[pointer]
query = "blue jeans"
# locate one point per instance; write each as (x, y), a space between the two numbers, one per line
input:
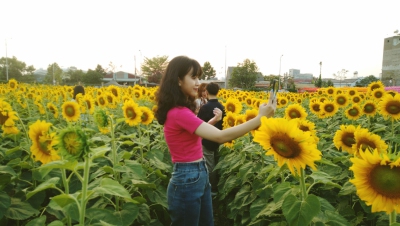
(189, 195)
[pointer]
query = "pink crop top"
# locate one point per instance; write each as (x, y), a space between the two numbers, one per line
(179, 128)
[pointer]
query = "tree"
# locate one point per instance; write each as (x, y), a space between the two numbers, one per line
(16, 69)
(154, 68)
(208, 71)
(244, 75)
(53, 72)
(366, 81)
(94, 76)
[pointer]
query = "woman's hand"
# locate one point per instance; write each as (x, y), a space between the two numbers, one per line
(217, 114)
(269, 108)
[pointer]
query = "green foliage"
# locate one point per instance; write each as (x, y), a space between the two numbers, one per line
(208, 71)
(244, 75)
(366, 81)
(94, 76)
(153, 68)
(17, 70)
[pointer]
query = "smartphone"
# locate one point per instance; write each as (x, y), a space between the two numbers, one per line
(274, 88)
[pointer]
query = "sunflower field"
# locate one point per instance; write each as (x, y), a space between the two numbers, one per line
(325, 158)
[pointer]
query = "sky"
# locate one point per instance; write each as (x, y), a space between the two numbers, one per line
(276, 35)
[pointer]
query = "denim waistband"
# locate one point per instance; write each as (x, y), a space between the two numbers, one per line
(186, 166)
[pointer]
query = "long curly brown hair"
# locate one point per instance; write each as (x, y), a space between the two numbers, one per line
(169, 94)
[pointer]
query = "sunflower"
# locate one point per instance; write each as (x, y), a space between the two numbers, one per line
(354, 112)
(230, 144)
(344, 138)
(341, 100)
(248, 101)
(328, 109)
(369, 108)
(331, 91)
(375, 85)
(137, 94)
(111, 100)
(229, 120)
(53, 109)
(43, 141)
(115, 91)
(352, 92)
(72, 143)
(377, 179)
(356, 99)
(367, 140)
(101, 100)
(240, 119)
(233, 105)
(88, 103)
(308, 126)
(377, 94)
(7, 115)
(282, 102)
(315, 107)
(101, 119)
(389, 107)
(295, 111)
(12, 84)
(147, 116)
(250, 114)
(289, 145)
(71, 111)
(132, 113)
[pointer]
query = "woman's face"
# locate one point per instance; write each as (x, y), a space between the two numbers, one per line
(204, 93)
(189, 84)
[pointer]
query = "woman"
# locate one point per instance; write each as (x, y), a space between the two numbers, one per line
(201, 97)
(189, 193)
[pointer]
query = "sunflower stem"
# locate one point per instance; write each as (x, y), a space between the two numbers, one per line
(66, 190)
(115, 159)
(392, 217)
(85, 183)
(391, 142)
(303, 185)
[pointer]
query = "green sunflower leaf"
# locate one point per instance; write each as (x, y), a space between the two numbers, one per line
(300, 213)
(112, 187)
(50, 183)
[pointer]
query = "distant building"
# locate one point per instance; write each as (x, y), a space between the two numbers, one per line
(350, 82)
(391, 61)
(124, 78)
(296, 75)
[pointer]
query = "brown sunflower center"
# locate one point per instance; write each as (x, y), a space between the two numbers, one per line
(144, 117)
(393, 107)
(304, 128)
(386, 181)
(231, 122)
(376, 86)
(356, 99)
(341, 100)
(130, 113)
(352, 92)
(329, 108)
(353, 112)
(285, 146)
(348, 139)
(43, 146)
(365, 143)
(102, 101)
(70, 111)
(283, 102)
(3, 118)
(369, 108)
(89, 105)
(294, 113)
(231, 107)
(378, 94)
(315, 107)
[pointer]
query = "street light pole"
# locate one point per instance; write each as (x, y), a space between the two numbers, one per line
(6, 61)
(279, 77)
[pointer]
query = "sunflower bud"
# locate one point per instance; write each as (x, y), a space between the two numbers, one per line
(72, 143)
